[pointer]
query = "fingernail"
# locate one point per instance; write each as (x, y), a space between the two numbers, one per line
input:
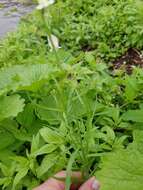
(95, 185)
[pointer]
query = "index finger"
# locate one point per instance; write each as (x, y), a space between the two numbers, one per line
(58, 181)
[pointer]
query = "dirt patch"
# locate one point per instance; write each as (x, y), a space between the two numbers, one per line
(132, 57)
(86, 48)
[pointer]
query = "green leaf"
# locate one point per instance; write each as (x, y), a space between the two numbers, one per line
(90, 59)
(138, 140)
(69, 170)
(80, 106)
(131, 88)
(26, 117)
(11, 126)
(21, 160)
(113, 112)
(49, 110)
(48, 162)
(45, 149)
(4, 169)
(5, 156)
(51, 136)
(6, 139)
(24, 76)
(35, 143)
(5, 182)
(133, 115)
(10, 106)
(21, 174)
(109, 136)
(122, 170)
(7, 169)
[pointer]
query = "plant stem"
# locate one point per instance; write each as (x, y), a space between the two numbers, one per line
(49, 37)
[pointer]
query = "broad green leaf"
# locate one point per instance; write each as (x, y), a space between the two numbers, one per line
(138, 140)
(49, 110)
(6, 139)
(109, 135)
(45, 149)
(4, 169)
(79, 107)
(12, 127)
(24, 76)
(8, 169)
(133, 115)
(48, 162)
(26, 117)
(131, 88)
(51, 136)
(21, 160)
(21, 174)
(122, 169)
(10, 106)
(5, 156)
(113, 112)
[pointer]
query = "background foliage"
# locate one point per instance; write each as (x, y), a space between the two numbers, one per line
(72, 111)
(106, 27)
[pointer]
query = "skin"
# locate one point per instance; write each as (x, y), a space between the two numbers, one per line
(55, 184)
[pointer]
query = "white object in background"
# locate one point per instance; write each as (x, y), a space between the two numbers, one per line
(53, 41)
(44, 3)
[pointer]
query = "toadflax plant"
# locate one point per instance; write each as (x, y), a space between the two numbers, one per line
(77, 117)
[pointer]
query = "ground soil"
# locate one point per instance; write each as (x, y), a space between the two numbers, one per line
(132, 57)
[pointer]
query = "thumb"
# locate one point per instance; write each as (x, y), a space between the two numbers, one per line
(55, 184)
(51, 184)
(91, 184)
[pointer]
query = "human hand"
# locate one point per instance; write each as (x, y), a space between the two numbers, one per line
(55, 184)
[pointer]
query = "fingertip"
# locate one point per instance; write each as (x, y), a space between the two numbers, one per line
(95, 185)
(91, 184)
(51, 184)
(57, 182)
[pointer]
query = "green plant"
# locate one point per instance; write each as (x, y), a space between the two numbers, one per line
(65, 109)
(79, 107)
(106, 27)
(128, 164)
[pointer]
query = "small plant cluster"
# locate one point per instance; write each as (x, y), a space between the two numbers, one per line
(60, 108)
(108, 27)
